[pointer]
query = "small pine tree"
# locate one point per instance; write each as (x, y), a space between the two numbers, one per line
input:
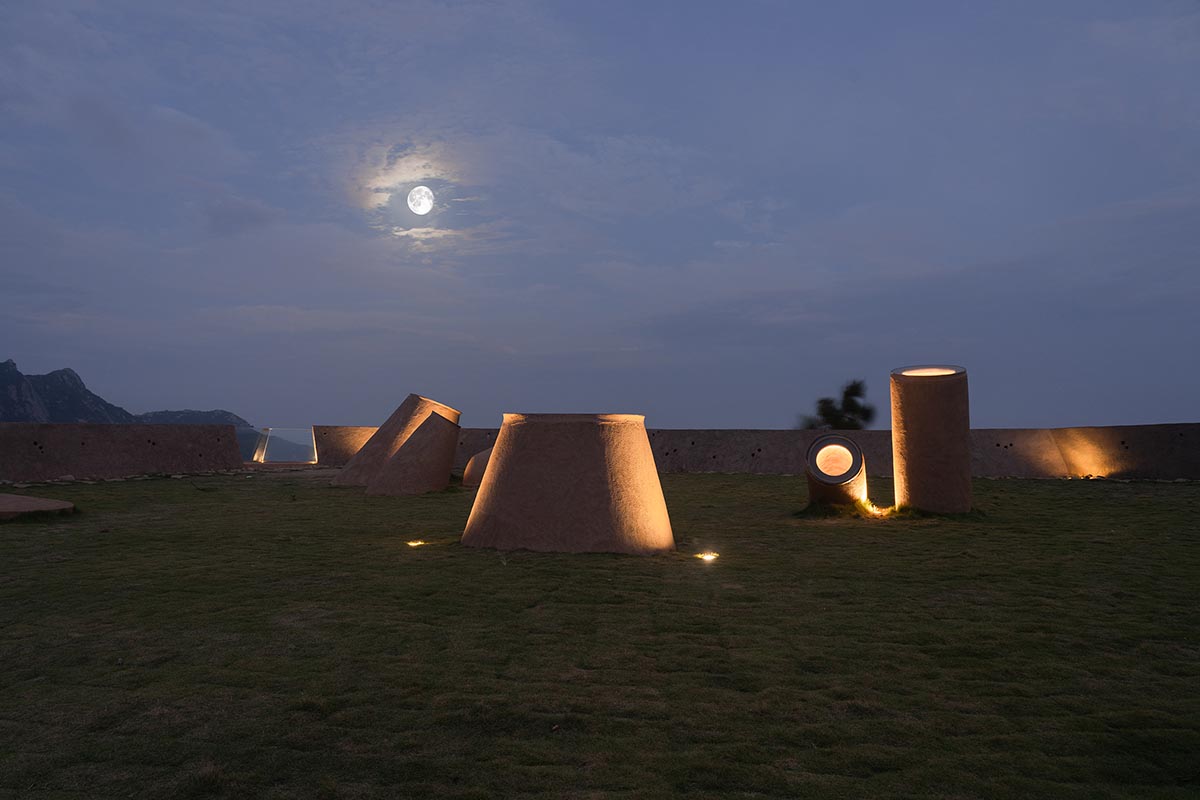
(851, 414)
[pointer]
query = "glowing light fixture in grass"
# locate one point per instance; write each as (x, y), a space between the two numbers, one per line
(708, 555)
(416, 543)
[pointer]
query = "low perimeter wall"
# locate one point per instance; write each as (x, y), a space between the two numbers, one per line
(337, 444)
(33, 452)
(38, 452)
(1125, 451)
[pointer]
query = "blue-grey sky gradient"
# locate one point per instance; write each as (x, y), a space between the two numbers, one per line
(708, 212)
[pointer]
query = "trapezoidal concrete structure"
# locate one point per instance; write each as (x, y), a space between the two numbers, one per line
(836, 472)
(571, 483)
(337, 444)
(931, 438)
(379, 449)
(14, 506)
(423, 462)
(476, 467)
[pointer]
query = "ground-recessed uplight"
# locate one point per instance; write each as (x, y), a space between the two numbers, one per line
(708, 555)
(415, 543)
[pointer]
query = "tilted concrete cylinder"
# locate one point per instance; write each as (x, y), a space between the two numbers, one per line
(571, 483)
(379, 449)
(423, 462)
(931, 438)
(476, 467)
(836, 471)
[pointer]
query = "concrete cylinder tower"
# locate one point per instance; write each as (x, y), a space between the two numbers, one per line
(931, 438)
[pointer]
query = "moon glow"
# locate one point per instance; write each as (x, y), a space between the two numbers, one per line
(420, 200)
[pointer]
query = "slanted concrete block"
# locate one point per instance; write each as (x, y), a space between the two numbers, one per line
(423, 462)
(14, 506)
(378, 450)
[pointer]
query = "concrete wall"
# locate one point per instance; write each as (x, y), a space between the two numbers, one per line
(1127, 451)
(45, 451)
(337, 444)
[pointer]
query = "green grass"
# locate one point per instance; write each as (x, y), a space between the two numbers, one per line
(274, 637)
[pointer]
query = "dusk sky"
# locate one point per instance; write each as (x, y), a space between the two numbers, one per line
(709, 213)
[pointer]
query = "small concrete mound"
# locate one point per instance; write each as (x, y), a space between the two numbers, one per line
(476, 467)
(571, 483)
(15, 506)
(379, 449)
(423, 462)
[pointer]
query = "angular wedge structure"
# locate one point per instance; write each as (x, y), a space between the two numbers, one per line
(379, 449)
(571, 483)
(931, 438)
(423, 462)
(476, 467)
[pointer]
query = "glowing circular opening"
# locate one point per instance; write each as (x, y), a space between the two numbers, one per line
(834, 460)
(926, 372)
(708, 556)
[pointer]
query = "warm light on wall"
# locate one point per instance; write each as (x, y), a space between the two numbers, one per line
(708, 555)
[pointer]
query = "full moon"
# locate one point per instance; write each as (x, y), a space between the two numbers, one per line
(420, 200)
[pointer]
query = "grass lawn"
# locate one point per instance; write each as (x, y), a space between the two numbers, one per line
(275, 637)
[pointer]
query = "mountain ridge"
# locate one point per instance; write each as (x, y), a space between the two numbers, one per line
(62, 396)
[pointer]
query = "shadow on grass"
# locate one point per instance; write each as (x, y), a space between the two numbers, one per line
(867, 510)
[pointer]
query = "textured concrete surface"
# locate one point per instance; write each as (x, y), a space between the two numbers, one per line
(931, 439)
(13, 506)
(337, 444)
(47, 451)
(1131, 451)
(472, 441)
(476, 467)
(845, 485)
(1168, 451)
(423, 462)
(571, 483)
(378, 450)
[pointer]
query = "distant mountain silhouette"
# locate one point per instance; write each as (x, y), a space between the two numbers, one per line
(61, 396)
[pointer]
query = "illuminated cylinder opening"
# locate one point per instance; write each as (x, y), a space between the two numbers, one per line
(931, 438)
(836, 471)
(571, 483)
(392, 434)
